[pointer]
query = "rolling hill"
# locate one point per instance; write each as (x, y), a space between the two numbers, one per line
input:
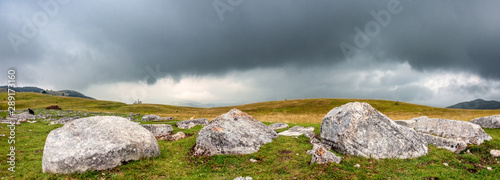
(291, 111)
(69, 93)
(477, 104)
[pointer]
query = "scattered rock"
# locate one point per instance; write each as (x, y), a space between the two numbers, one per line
(159, 130)
(131, 118)
(232, 133)
(357, 165)
(277, 126)
(167, 118)
(296, 131)
(243, 178)
(12, 121)
(23, 116)
(495, 153)
(31, 121)
(63, 120)
(488, 122)
(54, 107)
(359, 129)
(150, 117)
(96, 143)
(253, 160)
(489, 168)
(452, 145)
(173, 137)
(452, 129)
(188, 124)
(446, 164)
(321, 155)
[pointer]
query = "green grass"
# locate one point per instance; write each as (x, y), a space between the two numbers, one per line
(284, 158)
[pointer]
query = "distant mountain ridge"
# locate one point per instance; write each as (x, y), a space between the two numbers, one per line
(67, 93)
(477, 104)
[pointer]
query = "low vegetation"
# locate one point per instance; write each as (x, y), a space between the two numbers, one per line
(284, 158)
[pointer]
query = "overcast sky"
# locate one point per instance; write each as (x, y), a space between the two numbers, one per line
(220, 52)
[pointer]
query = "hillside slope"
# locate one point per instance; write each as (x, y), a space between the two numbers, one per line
(301, 110)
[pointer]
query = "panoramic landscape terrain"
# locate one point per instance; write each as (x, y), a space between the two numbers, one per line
(250, 89)
(284, 158)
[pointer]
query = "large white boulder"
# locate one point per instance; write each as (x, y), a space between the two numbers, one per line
(96, 143)
(232, 133)
(359, 129)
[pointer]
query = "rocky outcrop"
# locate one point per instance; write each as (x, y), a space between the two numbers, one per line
(232, 133)
(296, 131)
(277, 126)
(321, 155)
(159, 130)
(492, 122)
(359, 129)
(188, 124)
(96, 143)
(452, 145)
(452, 129)
(151, 117)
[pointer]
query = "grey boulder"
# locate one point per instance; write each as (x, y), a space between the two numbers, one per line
(150, 117)
(232, 133)
(468, 132)
(359, 129)
(321, 155)
(23, 116)
(277, 126)
(449, 144)
(96, 143)
(159, 130)
(188, 124)
(492, 122)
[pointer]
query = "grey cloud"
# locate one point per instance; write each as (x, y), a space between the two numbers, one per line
(93, 42)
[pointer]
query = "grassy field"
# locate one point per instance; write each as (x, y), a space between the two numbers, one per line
(284, 158)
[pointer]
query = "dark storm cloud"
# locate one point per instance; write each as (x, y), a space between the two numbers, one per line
(125, 39)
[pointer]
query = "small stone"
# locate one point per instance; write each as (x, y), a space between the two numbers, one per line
(297, 154)
(253, 160)
(495, 153)
(357, 165)
(243, 178)
(489, 168)
(2, 135)
(445, 164)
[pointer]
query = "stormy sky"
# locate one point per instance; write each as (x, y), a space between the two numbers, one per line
(222, 52)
